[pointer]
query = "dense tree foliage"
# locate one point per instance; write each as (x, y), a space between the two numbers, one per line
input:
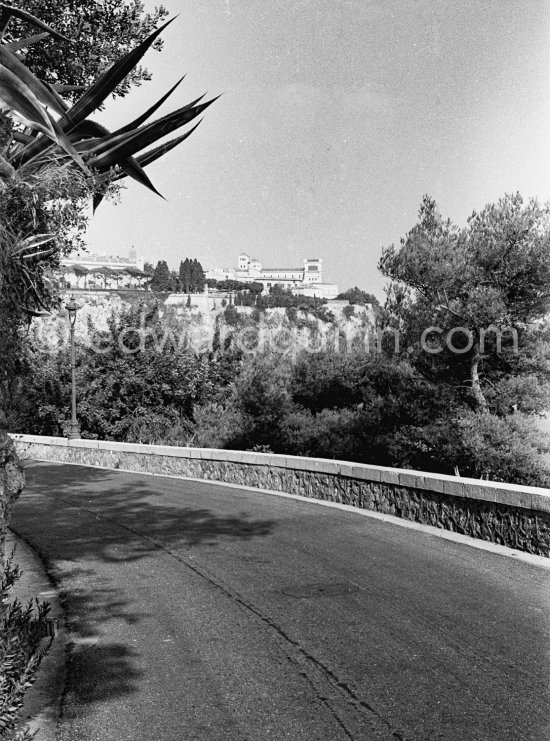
(162, 280)
(358, 296)
(389, 404)
(235, 285)
(191, 276)
(135, 383)
(476, 293)
(99, 33)
(361, 406)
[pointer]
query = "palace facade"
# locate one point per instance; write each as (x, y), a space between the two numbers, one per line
(306, 280)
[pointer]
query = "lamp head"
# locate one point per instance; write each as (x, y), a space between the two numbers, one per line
(72, 309)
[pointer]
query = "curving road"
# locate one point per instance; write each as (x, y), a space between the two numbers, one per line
(205, 612)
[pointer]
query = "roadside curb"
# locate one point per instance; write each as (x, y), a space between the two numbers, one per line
(42, 700)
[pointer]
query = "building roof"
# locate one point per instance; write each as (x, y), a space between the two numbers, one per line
(98, 258)
(282, 270)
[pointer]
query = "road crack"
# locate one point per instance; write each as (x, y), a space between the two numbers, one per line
(348, 700)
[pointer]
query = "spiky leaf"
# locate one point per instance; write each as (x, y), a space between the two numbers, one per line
(141, 119)
(135, 141)
(21, 99)
(14, 46)
(153, 154)
(109, 80)
(7, 12)
(10, 61)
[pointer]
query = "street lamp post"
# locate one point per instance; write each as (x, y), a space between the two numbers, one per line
(74, 429)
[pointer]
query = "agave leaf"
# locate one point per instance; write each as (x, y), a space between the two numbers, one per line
(41, 147)
(14, 46)
(141, 119)
(41, 254)
(38, 146)
(37, 240)
(153, 154)
(10, 61)
(117, 138)
(67, 88)
(34, 312)
(132, 168)
(109, 80)
(4, 20)
(67, 146)
(129, 167)
(85, 146)
(98, 197)
(109, 140)
(56, 95)
(18, 136)
(21, 99)
(134, 141)
(7, 12)
(88, 135)
(89, 129)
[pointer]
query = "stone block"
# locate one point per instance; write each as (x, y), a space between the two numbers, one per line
(453, 486)
(362, 472)
(541, 502)
(517, 498)
(411, 480)
(389, 476)
(433, 483)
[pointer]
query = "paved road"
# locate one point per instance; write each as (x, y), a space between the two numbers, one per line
(206, 612)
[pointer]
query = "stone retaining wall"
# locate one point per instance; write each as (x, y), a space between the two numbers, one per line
(515, 516)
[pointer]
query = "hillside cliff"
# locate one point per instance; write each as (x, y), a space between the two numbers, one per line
(209, 321)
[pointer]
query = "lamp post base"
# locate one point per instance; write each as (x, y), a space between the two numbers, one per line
(74, 432)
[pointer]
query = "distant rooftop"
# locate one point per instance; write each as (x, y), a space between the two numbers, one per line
(282, 270)
(99, 258)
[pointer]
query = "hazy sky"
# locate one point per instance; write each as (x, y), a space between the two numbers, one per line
(337, 116)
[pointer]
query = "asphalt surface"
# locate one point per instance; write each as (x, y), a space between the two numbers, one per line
(197, 611)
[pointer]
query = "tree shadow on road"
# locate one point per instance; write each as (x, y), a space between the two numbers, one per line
(99, 673)
(89, 524)
(116, 517)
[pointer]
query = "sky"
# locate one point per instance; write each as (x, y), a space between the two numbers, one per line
(336, 117)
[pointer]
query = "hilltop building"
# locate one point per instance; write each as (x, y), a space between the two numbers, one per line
(88, 268)
(305, 281)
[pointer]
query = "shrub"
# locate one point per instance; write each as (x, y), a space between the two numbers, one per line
(503, 449)
(23, 631)
(291, 313)
(231, 315)
(331, 433)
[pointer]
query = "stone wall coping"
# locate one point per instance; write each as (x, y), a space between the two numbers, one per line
(526, 497)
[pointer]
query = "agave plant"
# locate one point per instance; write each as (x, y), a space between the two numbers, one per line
(38, 127)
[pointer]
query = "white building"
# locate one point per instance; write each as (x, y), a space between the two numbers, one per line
(79, 270)
(305, 281)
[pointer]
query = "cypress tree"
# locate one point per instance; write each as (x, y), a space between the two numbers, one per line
(162, 280)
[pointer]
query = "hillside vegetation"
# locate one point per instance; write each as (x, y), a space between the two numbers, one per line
(278, 380)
